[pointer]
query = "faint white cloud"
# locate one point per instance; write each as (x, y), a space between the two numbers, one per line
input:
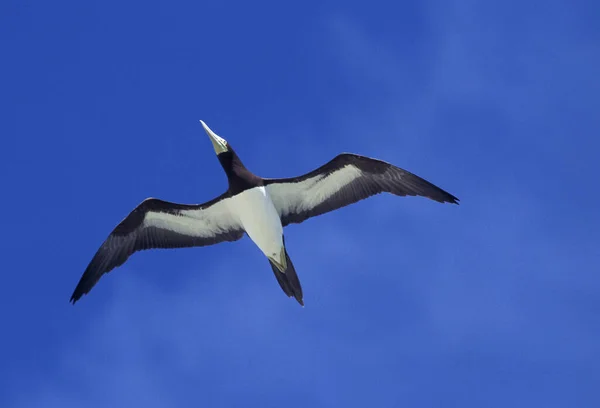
(391, 284)
(159, 348)
(486, 275)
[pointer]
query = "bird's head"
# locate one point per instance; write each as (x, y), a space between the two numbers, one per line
(219, 144)
(225, 153)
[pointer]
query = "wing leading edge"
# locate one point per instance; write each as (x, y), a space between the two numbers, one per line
(156, 223)
(344, 180)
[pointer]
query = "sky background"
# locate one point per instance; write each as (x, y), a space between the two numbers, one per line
(493, 303)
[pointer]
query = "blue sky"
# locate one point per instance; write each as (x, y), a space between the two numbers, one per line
(492, 303)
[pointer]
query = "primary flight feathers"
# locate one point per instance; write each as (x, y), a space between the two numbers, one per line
(346, 179)
(259, 207)
(160, 224)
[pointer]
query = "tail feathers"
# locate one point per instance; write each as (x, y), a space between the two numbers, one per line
(289, 281)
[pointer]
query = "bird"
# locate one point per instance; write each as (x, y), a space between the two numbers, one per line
(254, 206)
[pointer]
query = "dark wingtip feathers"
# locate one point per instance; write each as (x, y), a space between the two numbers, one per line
(448, 198)
(451, 199)
(416, 185)
(77, 294)
(79, 291)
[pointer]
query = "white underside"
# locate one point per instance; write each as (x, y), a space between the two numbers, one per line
(260, 220)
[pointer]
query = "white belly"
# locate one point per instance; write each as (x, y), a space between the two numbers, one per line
(260, 219)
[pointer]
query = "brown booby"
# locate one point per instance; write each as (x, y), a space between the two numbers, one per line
(259, 207)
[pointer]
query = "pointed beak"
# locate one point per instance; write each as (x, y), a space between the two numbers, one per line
(219, 144)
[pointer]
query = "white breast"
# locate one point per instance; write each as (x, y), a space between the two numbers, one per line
(259, 218)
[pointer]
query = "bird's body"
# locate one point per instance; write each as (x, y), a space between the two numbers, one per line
(256, 206)
(260, 220)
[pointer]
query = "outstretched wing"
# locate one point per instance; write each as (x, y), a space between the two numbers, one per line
(160, 224)
(346, 179)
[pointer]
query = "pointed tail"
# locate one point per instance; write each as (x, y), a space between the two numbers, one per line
(289, 281)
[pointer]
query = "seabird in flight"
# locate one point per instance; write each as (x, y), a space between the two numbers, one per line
(259, 207)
